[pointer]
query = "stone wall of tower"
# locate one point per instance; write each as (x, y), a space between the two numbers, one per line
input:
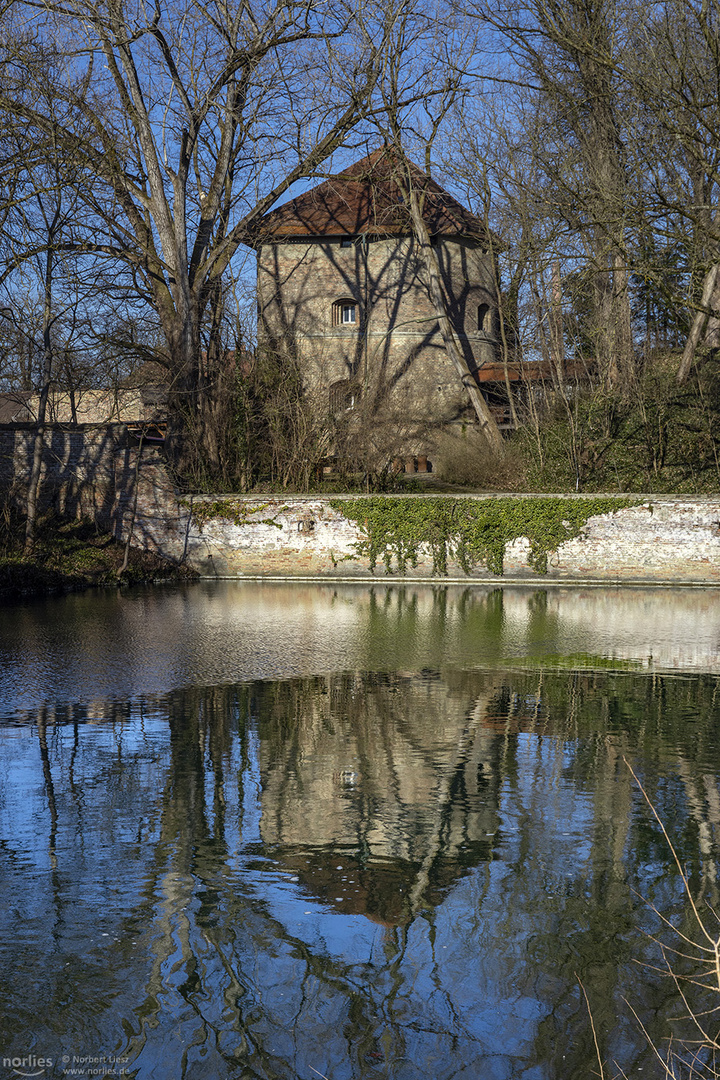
(393, 351)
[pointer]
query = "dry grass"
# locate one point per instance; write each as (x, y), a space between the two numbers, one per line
(467, 460)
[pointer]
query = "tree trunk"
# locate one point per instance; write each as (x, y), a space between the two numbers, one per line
(36, 469)
(199, 389)
(486, 423)
(622, 323)
(699, 324)
(133, 515)
(181, 444)
(216, 398)
(39, 442)
(557, 335)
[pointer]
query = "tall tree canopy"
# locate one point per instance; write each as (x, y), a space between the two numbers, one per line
(187, 122)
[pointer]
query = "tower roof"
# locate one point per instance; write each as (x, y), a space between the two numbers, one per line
(367, 198)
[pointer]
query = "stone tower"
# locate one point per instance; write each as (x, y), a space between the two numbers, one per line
(342, 287)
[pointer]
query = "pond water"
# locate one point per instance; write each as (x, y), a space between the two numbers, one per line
(288, 832)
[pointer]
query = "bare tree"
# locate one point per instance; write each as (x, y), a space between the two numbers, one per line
(441, 82)
(629, 118)
(38, 238)
(51, 286)
(566, 53)
(675, 76)
(191, 121)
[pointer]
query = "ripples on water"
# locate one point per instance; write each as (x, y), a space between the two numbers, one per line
(281, 831)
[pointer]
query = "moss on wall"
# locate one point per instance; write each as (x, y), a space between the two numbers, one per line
(234, 510)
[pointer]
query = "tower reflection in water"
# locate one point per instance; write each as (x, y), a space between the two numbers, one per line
(381, 834)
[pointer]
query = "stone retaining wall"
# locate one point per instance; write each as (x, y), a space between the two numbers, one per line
(92, 470)
(667, 539)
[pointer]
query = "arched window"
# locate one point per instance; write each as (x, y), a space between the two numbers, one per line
(344, 395)
(484, 318)
(345, 313)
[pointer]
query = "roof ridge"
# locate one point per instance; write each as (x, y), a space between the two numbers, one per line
(364, 198)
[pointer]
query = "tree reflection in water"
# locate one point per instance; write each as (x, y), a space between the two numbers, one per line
(360, 874)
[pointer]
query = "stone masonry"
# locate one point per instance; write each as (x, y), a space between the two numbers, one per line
(391, 355)
(343, 288)
(102, 472)
(665, 539)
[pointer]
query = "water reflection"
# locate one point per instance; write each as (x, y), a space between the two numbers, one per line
(396, 869)
(384, 794)
(90, 648)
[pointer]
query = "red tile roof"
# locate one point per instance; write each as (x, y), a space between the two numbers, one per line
(367, 198)
(534, 371)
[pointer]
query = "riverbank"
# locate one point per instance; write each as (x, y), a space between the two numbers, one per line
(532, 540)
(71, 556)
(106, 475)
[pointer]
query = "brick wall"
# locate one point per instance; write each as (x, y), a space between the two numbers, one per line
(88, 471)
(78, 467)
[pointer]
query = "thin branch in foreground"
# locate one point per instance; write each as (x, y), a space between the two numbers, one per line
(713, 943)
(592, 1026)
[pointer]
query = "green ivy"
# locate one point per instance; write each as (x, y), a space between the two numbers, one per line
(470, 531)
(239, 513)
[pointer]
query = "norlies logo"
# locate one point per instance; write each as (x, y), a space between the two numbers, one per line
(27, 1066)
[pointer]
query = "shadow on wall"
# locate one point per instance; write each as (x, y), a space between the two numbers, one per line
(145, 505)
(89, 471)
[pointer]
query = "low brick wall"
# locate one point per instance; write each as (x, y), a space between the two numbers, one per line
(665, 539)
(100, 470)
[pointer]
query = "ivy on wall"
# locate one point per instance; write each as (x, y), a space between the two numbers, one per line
(470, 531)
